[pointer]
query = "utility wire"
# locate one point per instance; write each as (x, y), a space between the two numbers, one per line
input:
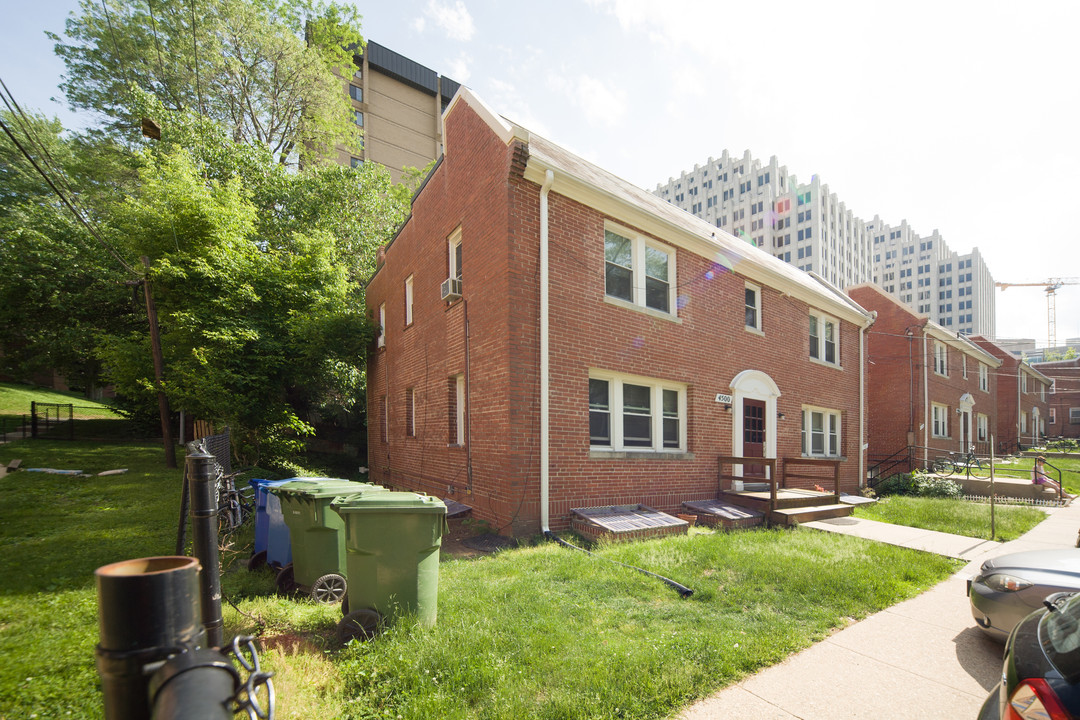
(63, 198)
(27, 129)
(195, 48)
(157, 41)
(116, 47)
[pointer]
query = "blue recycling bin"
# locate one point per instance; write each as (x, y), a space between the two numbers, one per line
(267, 506)
(273, 546)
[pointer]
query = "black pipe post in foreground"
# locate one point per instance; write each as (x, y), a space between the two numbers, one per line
(204, 532)
(148, 609)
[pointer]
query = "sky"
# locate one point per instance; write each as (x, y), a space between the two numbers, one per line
(958, 116)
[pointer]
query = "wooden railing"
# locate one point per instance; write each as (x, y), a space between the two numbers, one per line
(735, 460)
(792, 465)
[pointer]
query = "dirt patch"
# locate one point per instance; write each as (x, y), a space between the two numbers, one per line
(467, 538)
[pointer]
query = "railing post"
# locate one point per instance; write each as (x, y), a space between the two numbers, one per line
(204, 527)
(33, 418)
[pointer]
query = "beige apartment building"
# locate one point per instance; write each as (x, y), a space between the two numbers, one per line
(398, 102)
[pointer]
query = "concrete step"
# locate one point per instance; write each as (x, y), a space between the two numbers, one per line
(790, 516)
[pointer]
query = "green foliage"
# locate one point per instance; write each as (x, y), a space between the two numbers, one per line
(919, 484)
(262, 69)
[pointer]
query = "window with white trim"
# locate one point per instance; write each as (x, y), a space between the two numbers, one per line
(1074, 416)
(1023, 422)
(824, 339)
(454, 253)
(408, 300)
(984, 377)
(820, 432)
(1023, 382)
(963, 361)
(941, 359)
(639, 271)
(983, 424)
(635, 413)
(940, 414)
(456, 415)
(753, 307)
(1042, 392)
(1053, 416)
(381, 341)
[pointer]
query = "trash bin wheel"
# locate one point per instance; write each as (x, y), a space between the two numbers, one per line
(257, 560)
(329, 589)
(360, 625)
(286, 582)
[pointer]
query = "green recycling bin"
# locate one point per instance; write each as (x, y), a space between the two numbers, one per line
(317, 537)
(392, 542)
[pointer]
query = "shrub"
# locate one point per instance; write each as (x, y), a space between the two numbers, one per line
(919, 484)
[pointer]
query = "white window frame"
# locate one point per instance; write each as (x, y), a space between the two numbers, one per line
(1074, 416)
(818, 344)
(963, 365)
(983, 427)
(830, 432)
(941, 359)
(408, 301)
(756, 326)
(984, 377)
(452, 244)
(1023, 382)
(615, 411)
(639, 245)
(381, 341)
(940, 418)
(1053, 416)
(1023, 422)
(459, 410)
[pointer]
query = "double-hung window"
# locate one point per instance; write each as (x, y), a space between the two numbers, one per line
(454, 253)
(634, 413)
(1023, 422)
(820, 432)
(408, 300)
(1023, 382)
(984, 377)
(381, 342)
(638, 271)
(941, 420)
(983, 425)
(941, 359)
(753, 307)
(824, 339)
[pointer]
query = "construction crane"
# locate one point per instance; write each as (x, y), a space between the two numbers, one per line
(1051, 286)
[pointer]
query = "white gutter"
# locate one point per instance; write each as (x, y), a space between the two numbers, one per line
(545, 353)
(862, 406)
(926, 399)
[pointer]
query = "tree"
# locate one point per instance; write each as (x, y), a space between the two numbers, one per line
(267, 70)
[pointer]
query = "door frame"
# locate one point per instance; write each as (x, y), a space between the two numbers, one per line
(753, 385)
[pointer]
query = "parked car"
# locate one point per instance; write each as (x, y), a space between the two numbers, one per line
(1040, 677)
(1010, 587)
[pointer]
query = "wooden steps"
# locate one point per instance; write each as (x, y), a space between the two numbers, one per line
(792, 516)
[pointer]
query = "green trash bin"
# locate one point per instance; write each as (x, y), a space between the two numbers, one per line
(317, 536)
(392, 542)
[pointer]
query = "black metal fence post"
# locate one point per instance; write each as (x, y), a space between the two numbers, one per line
(33, 418)
(204, 532)
(148, 609)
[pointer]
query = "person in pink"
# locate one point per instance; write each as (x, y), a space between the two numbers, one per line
(1039, 477)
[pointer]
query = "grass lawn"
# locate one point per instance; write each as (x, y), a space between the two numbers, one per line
(537, 632)
(1021, 468)
(953, 516)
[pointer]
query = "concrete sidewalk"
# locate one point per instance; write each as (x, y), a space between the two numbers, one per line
(922, 658)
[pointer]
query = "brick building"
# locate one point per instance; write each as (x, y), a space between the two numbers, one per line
(1022, 399)
(555, 338)
(1063, 403)
(930, 391)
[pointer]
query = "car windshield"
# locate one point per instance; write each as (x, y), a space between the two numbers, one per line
(1060, 634)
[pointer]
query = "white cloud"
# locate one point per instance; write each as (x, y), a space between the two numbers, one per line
(419, 24)
(602, 105)
(453, 18)
(458, 68)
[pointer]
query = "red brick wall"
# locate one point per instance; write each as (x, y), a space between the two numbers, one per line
(901, 379)
(1008, 427)
(1066, 376)
(477, 186)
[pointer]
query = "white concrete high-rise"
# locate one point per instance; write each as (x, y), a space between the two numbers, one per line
(806, 225)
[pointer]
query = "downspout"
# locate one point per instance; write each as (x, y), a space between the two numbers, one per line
(1019, 405)
(862, 406)
(926, 400)
(545, 351)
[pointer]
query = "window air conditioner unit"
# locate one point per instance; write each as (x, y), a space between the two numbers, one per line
(451, 289)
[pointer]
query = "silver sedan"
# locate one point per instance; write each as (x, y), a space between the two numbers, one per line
(1010, 587)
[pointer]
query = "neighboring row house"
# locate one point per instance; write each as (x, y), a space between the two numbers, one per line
(557, 338)
(1022, 393)
(1063, 404)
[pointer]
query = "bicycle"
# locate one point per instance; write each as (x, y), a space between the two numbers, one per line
(961, 464)
(234, 506)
